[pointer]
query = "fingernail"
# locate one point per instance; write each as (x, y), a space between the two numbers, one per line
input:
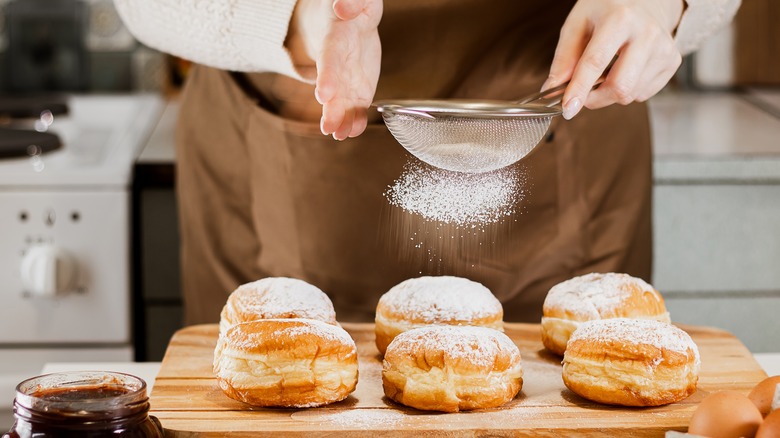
(546, 83)
(571, 108)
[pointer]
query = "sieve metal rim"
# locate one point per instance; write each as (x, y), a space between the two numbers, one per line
(464, 108)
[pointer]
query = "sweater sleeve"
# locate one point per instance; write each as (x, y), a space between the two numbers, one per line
(701, 19)
(239, 35)
(249, 35)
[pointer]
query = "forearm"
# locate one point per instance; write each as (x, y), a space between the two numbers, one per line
(242, 35)
(702, 18)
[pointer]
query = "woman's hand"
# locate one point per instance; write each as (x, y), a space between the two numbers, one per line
(341, 37)
(638, 33)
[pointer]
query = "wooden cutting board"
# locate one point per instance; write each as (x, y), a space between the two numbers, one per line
(188, 402)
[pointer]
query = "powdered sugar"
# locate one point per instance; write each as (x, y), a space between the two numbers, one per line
(317, 328)
(442, 299)
(279, 297)
(359, 418)
(593, 295)
(637, 331)
(454, 197)
(477, 345)
(246, 336)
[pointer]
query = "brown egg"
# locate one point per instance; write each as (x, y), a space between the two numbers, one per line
(770, 428)
(763, 394)
(725, 414)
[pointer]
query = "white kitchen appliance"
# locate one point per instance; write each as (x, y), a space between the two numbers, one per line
(65, 239)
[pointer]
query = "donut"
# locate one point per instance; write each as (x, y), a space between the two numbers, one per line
(276, 297)
(286, 363)
(422, 301)
(452, 368)
(631, 362)
(596, 296)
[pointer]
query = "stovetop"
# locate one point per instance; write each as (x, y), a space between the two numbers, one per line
(100, 135)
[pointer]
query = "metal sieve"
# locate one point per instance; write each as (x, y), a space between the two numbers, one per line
(471, 136)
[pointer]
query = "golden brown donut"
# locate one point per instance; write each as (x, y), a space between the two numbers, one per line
(596, 296)
(422, 301)
(631, 362)
(286, 363)
(276, 297)
(452, 368)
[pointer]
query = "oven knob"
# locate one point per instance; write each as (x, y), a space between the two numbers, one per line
(48, 270)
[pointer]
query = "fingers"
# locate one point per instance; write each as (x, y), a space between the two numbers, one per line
(332, 116)
(329, 69)
(345, 128)
(652, 84)
(325, 89)
(571, 44)
(637, 76)
(348, 67)
(623, 78)
(341, 122)
(348, 9)
(360, 123)
(635, 31)
(602, 47)
(328, 88)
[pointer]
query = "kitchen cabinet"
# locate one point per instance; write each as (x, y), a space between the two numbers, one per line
(717, 211)
(157, 306)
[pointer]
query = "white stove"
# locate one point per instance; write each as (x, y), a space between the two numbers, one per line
(65, 239)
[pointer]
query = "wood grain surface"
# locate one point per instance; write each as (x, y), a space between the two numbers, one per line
(188, 402)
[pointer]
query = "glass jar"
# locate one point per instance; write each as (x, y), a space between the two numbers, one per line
(83, 404)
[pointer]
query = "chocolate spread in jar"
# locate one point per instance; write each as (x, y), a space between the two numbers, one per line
(83, 404)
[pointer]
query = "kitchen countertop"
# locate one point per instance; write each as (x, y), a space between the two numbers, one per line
(697, 136)
(161, 146)
(768, 99)
(716, 137)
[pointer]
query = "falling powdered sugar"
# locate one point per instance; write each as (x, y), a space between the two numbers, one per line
(455, 197)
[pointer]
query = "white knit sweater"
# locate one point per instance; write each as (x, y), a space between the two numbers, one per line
(249, 35)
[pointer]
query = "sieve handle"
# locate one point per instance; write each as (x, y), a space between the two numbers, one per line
(549, 97)
(553, 96)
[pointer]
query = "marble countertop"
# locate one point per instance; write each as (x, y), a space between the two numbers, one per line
(715, 125)
(768, 99)
(716, 137)
(161, 146)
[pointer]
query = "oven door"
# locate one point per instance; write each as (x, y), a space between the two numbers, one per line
(64, 281)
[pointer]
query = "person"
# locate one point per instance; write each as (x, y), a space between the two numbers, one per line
(261, 192)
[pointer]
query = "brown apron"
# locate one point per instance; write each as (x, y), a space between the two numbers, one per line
(263, 193)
